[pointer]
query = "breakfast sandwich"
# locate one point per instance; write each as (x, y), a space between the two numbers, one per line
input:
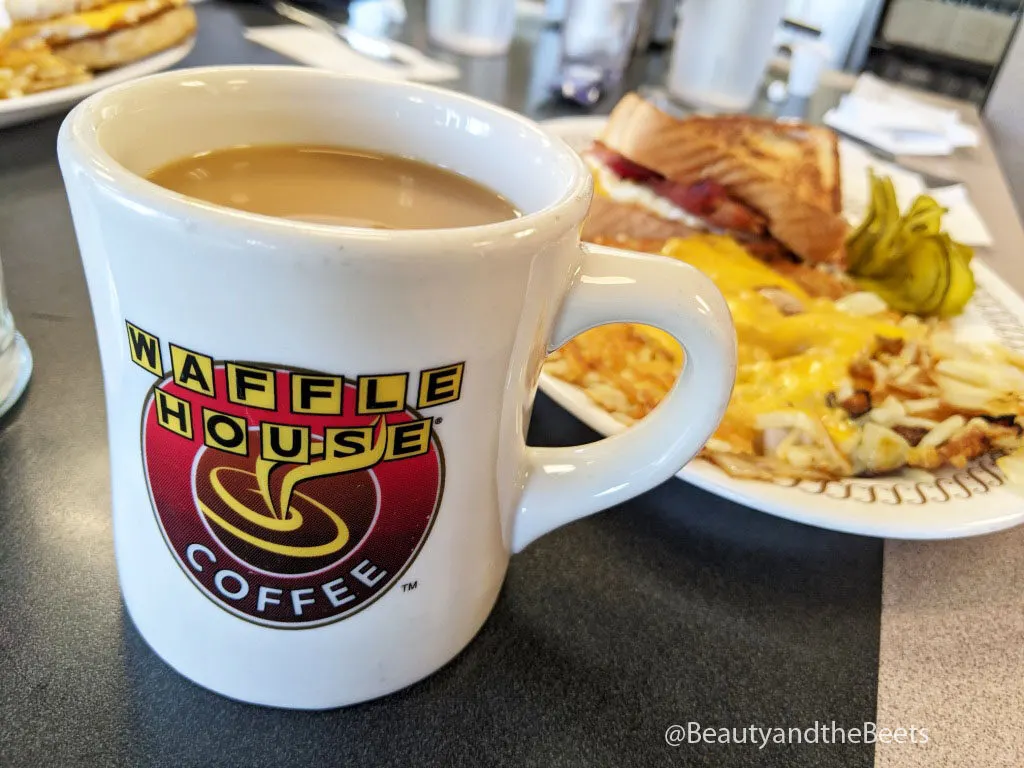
(97, 34)
(772, 186)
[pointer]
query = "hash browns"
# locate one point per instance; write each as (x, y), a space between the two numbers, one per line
(30, 70)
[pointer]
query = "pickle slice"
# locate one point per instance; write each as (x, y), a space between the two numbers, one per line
(923, 218)
(965, 251)
(961, 284)
(883, 254)
(924, 275)
(924, 204)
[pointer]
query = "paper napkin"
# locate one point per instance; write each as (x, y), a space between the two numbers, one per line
(318, 49)
(897, 123)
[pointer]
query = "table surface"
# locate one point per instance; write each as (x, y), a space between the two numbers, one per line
(676, 607)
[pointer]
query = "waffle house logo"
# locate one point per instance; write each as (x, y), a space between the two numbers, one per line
(291, 498)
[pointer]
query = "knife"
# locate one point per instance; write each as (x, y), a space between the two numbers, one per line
(373, 47)
(931, 180)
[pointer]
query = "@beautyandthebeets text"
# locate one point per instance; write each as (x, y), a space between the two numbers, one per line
(762, 737)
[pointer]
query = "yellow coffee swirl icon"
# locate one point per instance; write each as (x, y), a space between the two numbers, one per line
(261, 502)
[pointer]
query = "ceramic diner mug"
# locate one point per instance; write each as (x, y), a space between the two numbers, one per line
(317, 434)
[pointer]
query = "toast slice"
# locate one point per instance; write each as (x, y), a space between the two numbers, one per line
(786, 172)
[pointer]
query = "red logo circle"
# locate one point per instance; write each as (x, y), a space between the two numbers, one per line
(285, 518)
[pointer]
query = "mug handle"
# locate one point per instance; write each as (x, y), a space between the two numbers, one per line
(565, 484)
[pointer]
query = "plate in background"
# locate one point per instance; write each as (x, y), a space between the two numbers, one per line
(24, 109)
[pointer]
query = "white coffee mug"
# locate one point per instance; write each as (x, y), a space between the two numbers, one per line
(317, 434)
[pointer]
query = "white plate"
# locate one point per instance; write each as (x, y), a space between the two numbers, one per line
(916, 505)
(34, 106)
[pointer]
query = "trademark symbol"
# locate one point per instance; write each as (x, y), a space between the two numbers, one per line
(409, 586)
(438, 420)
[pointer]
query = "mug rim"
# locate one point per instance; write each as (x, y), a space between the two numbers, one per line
(78, 135)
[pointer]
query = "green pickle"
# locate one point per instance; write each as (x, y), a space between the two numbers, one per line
(908, 260)
(883, 253)
(961, 285)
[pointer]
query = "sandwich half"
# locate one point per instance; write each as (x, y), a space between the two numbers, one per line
(98, 34)
(772, 186)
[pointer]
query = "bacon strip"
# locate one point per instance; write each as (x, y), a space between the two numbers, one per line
(705, 198)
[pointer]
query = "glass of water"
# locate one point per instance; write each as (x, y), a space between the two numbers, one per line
(597, 40)
(722, 49)
(472, 27)
(15, 359)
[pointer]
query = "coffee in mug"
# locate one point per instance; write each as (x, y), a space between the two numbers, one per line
(334, 185)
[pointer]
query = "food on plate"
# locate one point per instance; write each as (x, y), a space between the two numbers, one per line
(1012, 465)
(90, 35)
(772, 186)
(847, 365)
(826, 387)
(907, 259)
(29, 70)
(99, 34)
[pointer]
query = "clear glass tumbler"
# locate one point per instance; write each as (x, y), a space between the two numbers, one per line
(472, 27)
(597, 40)
(6, 323)
(721, 51)
(15, 360)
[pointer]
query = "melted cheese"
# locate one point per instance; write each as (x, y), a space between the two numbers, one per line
(786, 362)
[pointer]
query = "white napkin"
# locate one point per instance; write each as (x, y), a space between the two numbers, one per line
(962, 221)
(318, 49)
(878, 114)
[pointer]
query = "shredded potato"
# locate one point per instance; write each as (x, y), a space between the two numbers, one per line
(33, 69)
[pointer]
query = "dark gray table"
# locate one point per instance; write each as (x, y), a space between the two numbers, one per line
(673, 608)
